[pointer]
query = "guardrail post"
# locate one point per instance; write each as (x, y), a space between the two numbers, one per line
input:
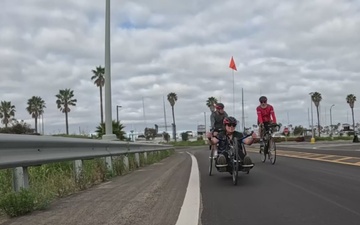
(78, 165)
(126, 163)
(20, 178)
(137, 159)
(145, 157)
(108, 161)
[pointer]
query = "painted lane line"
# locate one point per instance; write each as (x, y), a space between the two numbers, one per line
(189, 213)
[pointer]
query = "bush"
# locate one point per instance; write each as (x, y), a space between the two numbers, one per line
(18, 203)
(185, 136)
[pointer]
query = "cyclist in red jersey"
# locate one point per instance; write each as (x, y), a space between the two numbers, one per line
(266, 116)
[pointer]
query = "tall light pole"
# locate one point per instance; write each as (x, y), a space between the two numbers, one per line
(331, 129)
(312, 119)
(108, 117)
(205, 122)
(117, 112)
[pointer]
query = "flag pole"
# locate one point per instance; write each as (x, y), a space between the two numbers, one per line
(242, 106)
(233, 92)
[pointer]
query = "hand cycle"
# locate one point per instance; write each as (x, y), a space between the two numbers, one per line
(269, 144)
(235, 164)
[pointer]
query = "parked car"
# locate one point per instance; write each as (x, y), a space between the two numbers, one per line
(278, 135)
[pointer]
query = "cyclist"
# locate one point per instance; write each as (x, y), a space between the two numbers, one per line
(216, 120)
(226, 136)
(266, 116)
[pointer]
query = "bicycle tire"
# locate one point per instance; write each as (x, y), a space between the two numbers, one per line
(211, 160)
(272, 152)
(235, 163)
(262, 154)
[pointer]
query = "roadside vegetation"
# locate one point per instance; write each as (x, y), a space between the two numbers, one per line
(51, 181)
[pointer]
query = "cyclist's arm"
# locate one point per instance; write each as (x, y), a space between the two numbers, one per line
(259, 115)
(272, 113)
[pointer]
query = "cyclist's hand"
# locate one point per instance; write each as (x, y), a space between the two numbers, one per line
(214, 140)
(208, 134)
(253, 135)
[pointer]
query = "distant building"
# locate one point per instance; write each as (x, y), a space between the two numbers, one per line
(201, 130)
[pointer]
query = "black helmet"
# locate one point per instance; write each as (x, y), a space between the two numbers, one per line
(219, 106)
(263, 99)
(229, 120)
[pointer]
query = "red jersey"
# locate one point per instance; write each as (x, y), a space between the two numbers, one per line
(266, 114)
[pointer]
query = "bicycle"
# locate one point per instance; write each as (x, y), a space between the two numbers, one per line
(269, 144)
(212, 158)
(235, 163)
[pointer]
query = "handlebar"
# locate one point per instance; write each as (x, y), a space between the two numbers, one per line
(246, 136)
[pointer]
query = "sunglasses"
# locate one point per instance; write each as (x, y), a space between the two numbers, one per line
(231, 125)
(263, 102)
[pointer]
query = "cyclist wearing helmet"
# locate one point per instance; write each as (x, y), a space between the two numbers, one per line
(226, 136)
(216, 120)
(216, 117)
(266, 116)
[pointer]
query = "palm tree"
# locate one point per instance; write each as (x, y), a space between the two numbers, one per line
(65, 99)
(99, 81)
(316, 98)
(210, 102)
(35, 108)
(172, 98)
(118, 130)
(6, 112)
(351, 99)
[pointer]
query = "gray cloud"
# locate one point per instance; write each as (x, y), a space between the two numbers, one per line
(282, 49)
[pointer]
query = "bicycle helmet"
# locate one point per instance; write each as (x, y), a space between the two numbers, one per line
(219, 106)
(229, 120)
(263, 99)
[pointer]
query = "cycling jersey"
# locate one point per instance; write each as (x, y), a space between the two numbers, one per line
(266, 114)
(217, 120)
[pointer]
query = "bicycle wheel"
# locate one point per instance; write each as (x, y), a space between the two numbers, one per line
(272, 151)
(235, 164)
(263, 154)
(211, 160)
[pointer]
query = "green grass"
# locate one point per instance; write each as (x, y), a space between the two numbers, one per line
(51, 181)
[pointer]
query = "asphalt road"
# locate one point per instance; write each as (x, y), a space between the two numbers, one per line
(293, 191)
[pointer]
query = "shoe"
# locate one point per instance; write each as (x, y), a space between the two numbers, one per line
(221, 160)
(247, 160)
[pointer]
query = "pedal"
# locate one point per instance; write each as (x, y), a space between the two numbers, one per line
(220, 166)
(248, 166)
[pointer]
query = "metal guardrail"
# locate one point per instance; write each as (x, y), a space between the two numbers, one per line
(22, 151)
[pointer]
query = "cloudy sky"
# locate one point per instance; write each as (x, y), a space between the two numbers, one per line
(283, 49)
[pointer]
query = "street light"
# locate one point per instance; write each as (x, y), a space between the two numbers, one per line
(117, 112)
(331, 129)
(312, 119)
(108, 118)
(205, 122)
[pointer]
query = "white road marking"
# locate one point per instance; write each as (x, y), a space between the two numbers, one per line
(190, 210)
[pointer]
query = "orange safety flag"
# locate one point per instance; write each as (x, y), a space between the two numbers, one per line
(232, 64)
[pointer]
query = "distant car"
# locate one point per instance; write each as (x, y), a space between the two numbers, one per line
(190, 133)
(278, 135)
